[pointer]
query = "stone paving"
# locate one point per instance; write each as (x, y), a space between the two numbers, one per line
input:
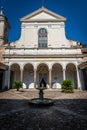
(69, 111)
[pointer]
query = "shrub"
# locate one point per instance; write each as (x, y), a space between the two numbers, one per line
(67, 86)
(17, 85)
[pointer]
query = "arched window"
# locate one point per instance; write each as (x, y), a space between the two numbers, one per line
(42, 38)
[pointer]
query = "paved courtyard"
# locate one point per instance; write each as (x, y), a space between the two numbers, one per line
(69, 111)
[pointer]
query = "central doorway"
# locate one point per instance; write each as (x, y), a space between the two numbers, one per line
(42, 74)
(43, 78)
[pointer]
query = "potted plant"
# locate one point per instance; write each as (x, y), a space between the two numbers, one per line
(17, 85)
(67, 86)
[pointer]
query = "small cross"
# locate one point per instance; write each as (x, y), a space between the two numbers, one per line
(42, 3)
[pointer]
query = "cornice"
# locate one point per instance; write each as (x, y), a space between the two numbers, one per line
(28, 17)
(43, 56)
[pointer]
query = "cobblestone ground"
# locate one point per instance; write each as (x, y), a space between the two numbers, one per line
(69, 111)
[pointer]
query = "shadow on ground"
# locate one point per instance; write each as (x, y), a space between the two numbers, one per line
(66, 114)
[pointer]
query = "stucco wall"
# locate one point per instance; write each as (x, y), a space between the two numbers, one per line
(55, 33)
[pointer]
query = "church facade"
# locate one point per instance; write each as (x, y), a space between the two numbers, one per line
(43, 52)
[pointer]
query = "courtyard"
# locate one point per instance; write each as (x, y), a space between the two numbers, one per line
(69, 111)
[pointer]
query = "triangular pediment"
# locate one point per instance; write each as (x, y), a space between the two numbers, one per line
(43, 14)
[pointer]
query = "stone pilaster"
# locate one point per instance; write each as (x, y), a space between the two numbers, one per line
(50, 78)
(21, 75)
(9, 78)
(78, 79)
(35, 78)
(64, 74)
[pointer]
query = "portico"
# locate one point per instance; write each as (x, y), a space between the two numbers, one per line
(53, 74)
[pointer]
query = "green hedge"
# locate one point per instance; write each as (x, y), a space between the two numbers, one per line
(67, 86)
(17, 85)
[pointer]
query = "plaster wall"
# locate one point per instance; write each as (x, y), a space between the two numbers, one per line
(55, 35)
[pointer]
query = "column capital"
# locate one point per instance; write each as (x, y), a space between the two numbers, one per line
(35, 69)
(64, 66)
(35, 66)
(64, 69)
(50, 66)
(21, 68)
(50, 69)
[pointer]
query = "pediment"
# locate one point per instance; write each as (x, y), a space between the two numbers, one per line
(43, 14)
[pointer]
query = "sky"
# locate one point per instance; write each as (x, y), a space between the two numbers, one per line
(74, 10)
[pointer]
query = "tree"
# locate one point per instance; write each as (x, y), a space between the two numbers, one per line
(67, 86)
(17, 85)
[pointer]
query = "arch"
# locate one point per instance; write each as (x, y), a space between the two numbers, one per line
(40, 64)
(14, 73)
(28, 76)
(42, 38)
(24, 64)
(73, 64)
(71, 73)
(14, 64)
(42, 73)
(57, 64)
(57, 75)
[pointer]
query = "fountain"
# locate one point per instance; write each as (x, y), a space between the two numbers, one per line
(41, 101)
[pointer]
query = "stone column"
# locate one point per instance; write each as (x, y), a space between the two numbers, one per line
(50, 79)
(9, 78)
(78, 79)
(35, 78)
(21, 75)
(64, 74)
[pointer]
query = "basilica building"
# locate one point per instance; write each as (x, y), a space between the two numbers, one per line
(42, 52)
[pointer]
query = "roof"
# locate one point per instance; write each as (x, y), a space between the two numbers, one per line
(38, 16)
(3, 66)
(83, 65)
